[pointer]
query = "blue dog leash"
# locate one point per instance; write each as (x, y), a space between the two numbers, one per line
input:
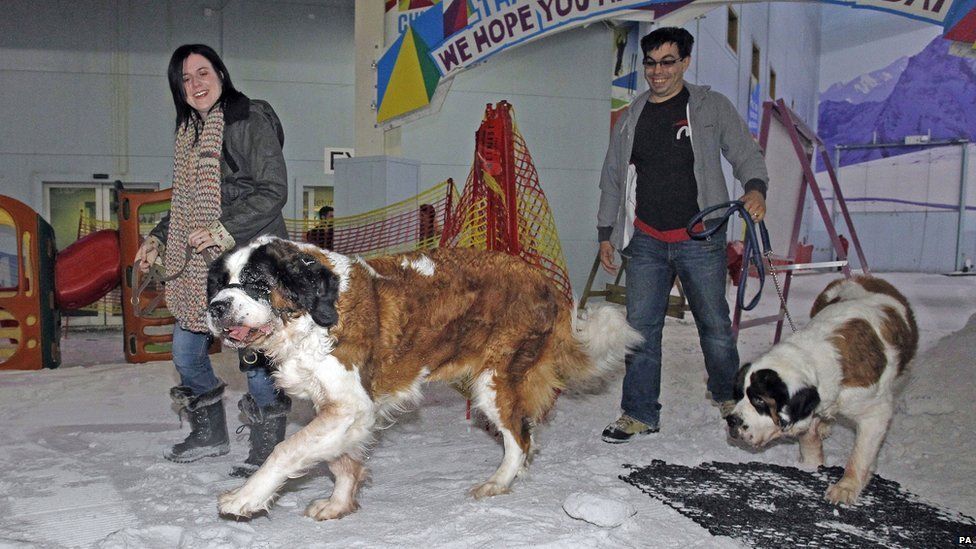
(752, 253)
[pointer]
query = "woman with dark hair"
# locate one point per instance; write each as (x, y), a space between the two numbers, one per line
(229, 186)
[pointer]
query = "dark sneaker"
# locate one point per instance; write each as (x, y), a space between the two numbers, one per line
(726, 407)
(626, 428)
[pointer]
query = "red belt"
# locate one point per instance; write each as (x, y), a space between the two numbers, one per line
(672, 236)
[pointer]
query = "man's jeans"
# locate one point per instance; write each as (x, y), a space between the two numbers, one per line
(651, 268)
(193, 364)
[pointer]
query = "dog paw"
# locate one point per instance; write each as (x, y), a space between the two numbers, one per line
(844, 492)
(488, 489)
(234, 505)
(326, 509)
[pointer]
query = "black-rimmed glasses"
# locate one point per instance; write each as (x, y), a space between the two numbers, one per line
(665, 63)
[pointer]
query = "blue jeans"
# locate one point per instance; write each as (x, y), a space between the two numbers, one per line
(651, 268)
(193, 364)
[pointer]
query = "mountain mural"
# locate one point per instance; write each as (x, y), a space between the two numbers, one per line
(874, 86)
(935, 92)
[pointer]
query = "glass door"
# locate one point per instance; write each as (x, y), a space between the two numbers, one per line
(313, 198)
(76, 209)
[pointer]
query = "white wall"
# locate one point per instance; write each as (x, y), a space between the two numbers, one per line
(788, 37)
(83, 85)
(83, 90)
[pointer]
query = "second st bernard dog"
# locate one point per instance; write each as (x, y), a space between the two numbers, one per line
(359, 338)
(860, 337)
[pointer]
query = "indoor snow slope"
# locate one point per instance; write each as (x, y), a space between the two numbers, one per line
(82, 451)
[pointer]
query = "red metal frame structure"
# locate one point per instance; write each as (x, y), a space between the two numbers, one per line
(495, 156)
(803, 140)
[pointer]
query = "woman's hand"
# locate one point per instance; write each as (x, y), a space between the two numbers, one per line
(200, 240)
(147, 254)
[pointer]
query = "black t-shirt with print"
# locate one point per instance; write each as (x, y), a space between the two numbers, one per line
(667, 193)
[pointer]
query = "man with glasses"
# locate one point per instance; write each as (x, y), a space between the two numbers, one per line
(663, 166)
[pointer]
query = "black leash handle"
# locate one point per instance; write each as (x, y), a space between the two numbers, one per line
(752, 250)
(157, 275)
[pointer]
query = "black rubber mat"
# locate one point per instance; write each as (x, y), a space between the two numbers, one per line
(765, 505)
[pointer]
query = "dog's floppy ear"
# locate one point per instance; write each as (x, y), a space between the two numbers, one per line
(802, 404)
(312, 286)
(217, 277)
(768, 393)
(738, 390)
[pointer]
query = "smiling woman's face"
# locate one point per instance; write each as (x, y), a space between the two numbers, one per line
(201, 83)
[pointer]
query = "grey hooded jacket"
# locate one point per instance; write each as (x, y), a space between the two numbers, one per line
(254, 187)
(716, 128)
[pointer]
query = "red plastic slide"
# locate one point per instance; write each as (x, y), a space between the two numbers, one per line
(87, 269)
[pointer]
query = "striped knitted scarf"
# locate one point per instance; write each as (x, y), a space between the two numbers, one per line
(195, 204)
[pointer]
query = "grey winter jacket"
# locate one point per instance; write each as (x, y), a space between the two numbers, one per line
(254, 188)
(716, 127)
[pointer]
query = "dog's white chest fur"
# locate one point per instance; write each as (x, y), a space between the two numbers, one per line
(307, 369)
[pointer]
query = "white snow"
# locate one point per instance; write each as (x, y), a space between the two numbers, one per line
(598, 510)
(81, 453)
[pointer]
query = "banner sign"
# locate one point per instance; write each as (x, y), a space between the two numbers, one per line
(506, 28)
(442, 37)
(933, 11)
(755, 105)
(453, 35)
(399, 15)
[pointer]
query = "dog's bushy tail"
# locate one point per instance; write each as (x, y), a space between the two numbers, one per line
(603, 335)
(579, 355)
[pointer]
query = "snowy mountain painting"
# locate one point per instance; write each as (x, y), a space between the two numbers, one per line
(931, 91)
(874, 86)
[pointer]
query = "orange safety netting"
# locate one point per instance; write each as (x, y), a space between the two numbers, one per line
(503, 207)
(412, 224)
(408, 225)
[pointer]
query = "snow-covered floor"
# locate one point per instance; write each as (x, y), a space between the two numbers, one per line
(81, 454)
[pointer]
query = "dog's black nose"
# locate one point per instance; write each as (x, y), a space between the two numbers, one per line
(734, 421)
(217, 309)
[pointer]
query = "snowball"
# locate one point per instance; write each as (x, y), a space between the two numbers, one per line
(598, 510)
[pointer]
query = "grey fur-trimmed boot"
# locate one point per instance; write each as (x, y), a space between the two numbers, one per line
(267, 426)
(208, 425)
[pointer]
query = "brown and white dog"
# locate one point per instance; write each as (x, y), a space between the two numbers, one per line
(844, 362)
(359, 339)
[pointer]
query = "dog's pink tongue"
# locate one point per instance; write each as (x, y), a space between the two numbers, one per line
(238, 333)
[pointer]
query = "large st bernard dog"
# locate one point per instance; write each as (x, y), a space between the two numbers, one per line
(860, 337)
(359, 339)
